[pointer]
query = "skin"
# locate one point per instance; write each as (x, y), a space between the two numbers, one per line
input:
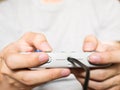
(14, 65)
(107, 78)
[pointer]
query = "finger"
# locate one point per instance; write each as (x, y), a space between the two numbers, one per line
(11, 48)
(18, 61)
(76, 71)
(105, 57)
(115, 88)
(37, 40)
(114, 81)
(90, 89)
(90, 43)
(40, 77)
(101, 73)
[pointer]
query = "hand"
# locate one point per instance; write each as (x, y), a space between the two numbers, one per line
(15, 74)
(102, 78)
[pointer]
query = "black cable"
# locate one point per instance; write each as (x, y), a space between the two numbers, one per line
(87, 70)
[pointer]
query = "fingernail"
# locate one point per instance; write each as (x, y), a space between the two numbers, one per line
(43, 57)
(95, 59)
(89, 46)
(45, 46)
(65, 72)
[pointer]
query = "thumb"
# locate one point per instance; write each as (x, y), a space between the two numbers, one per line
(105, 57)
(90, 43)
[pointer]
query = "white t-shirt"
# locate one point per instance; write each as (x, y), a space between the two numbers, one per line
(65, 24)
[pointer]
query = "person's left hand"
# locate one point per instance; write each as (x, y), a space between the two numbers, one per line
(102, 78)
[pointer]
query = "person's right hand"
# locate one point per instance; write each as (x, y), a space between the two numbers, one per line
(14, 65)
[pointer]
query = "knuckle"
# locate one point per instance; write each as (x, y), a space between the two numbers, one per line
(40, 37)
(9, 62)
(28, 33)
(27, 80)
(99, 86)
(37, 35)
(50, 76)
(33, 60)
(54, 74)
(102, 75)
(5, 70)
(106, 56)
(109, 55)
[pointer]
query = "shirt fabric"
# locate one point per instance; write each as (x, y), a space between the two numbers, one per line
(65, 24)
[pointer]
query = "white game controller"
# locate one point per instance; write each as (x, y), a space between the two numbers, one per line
(59, 60)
